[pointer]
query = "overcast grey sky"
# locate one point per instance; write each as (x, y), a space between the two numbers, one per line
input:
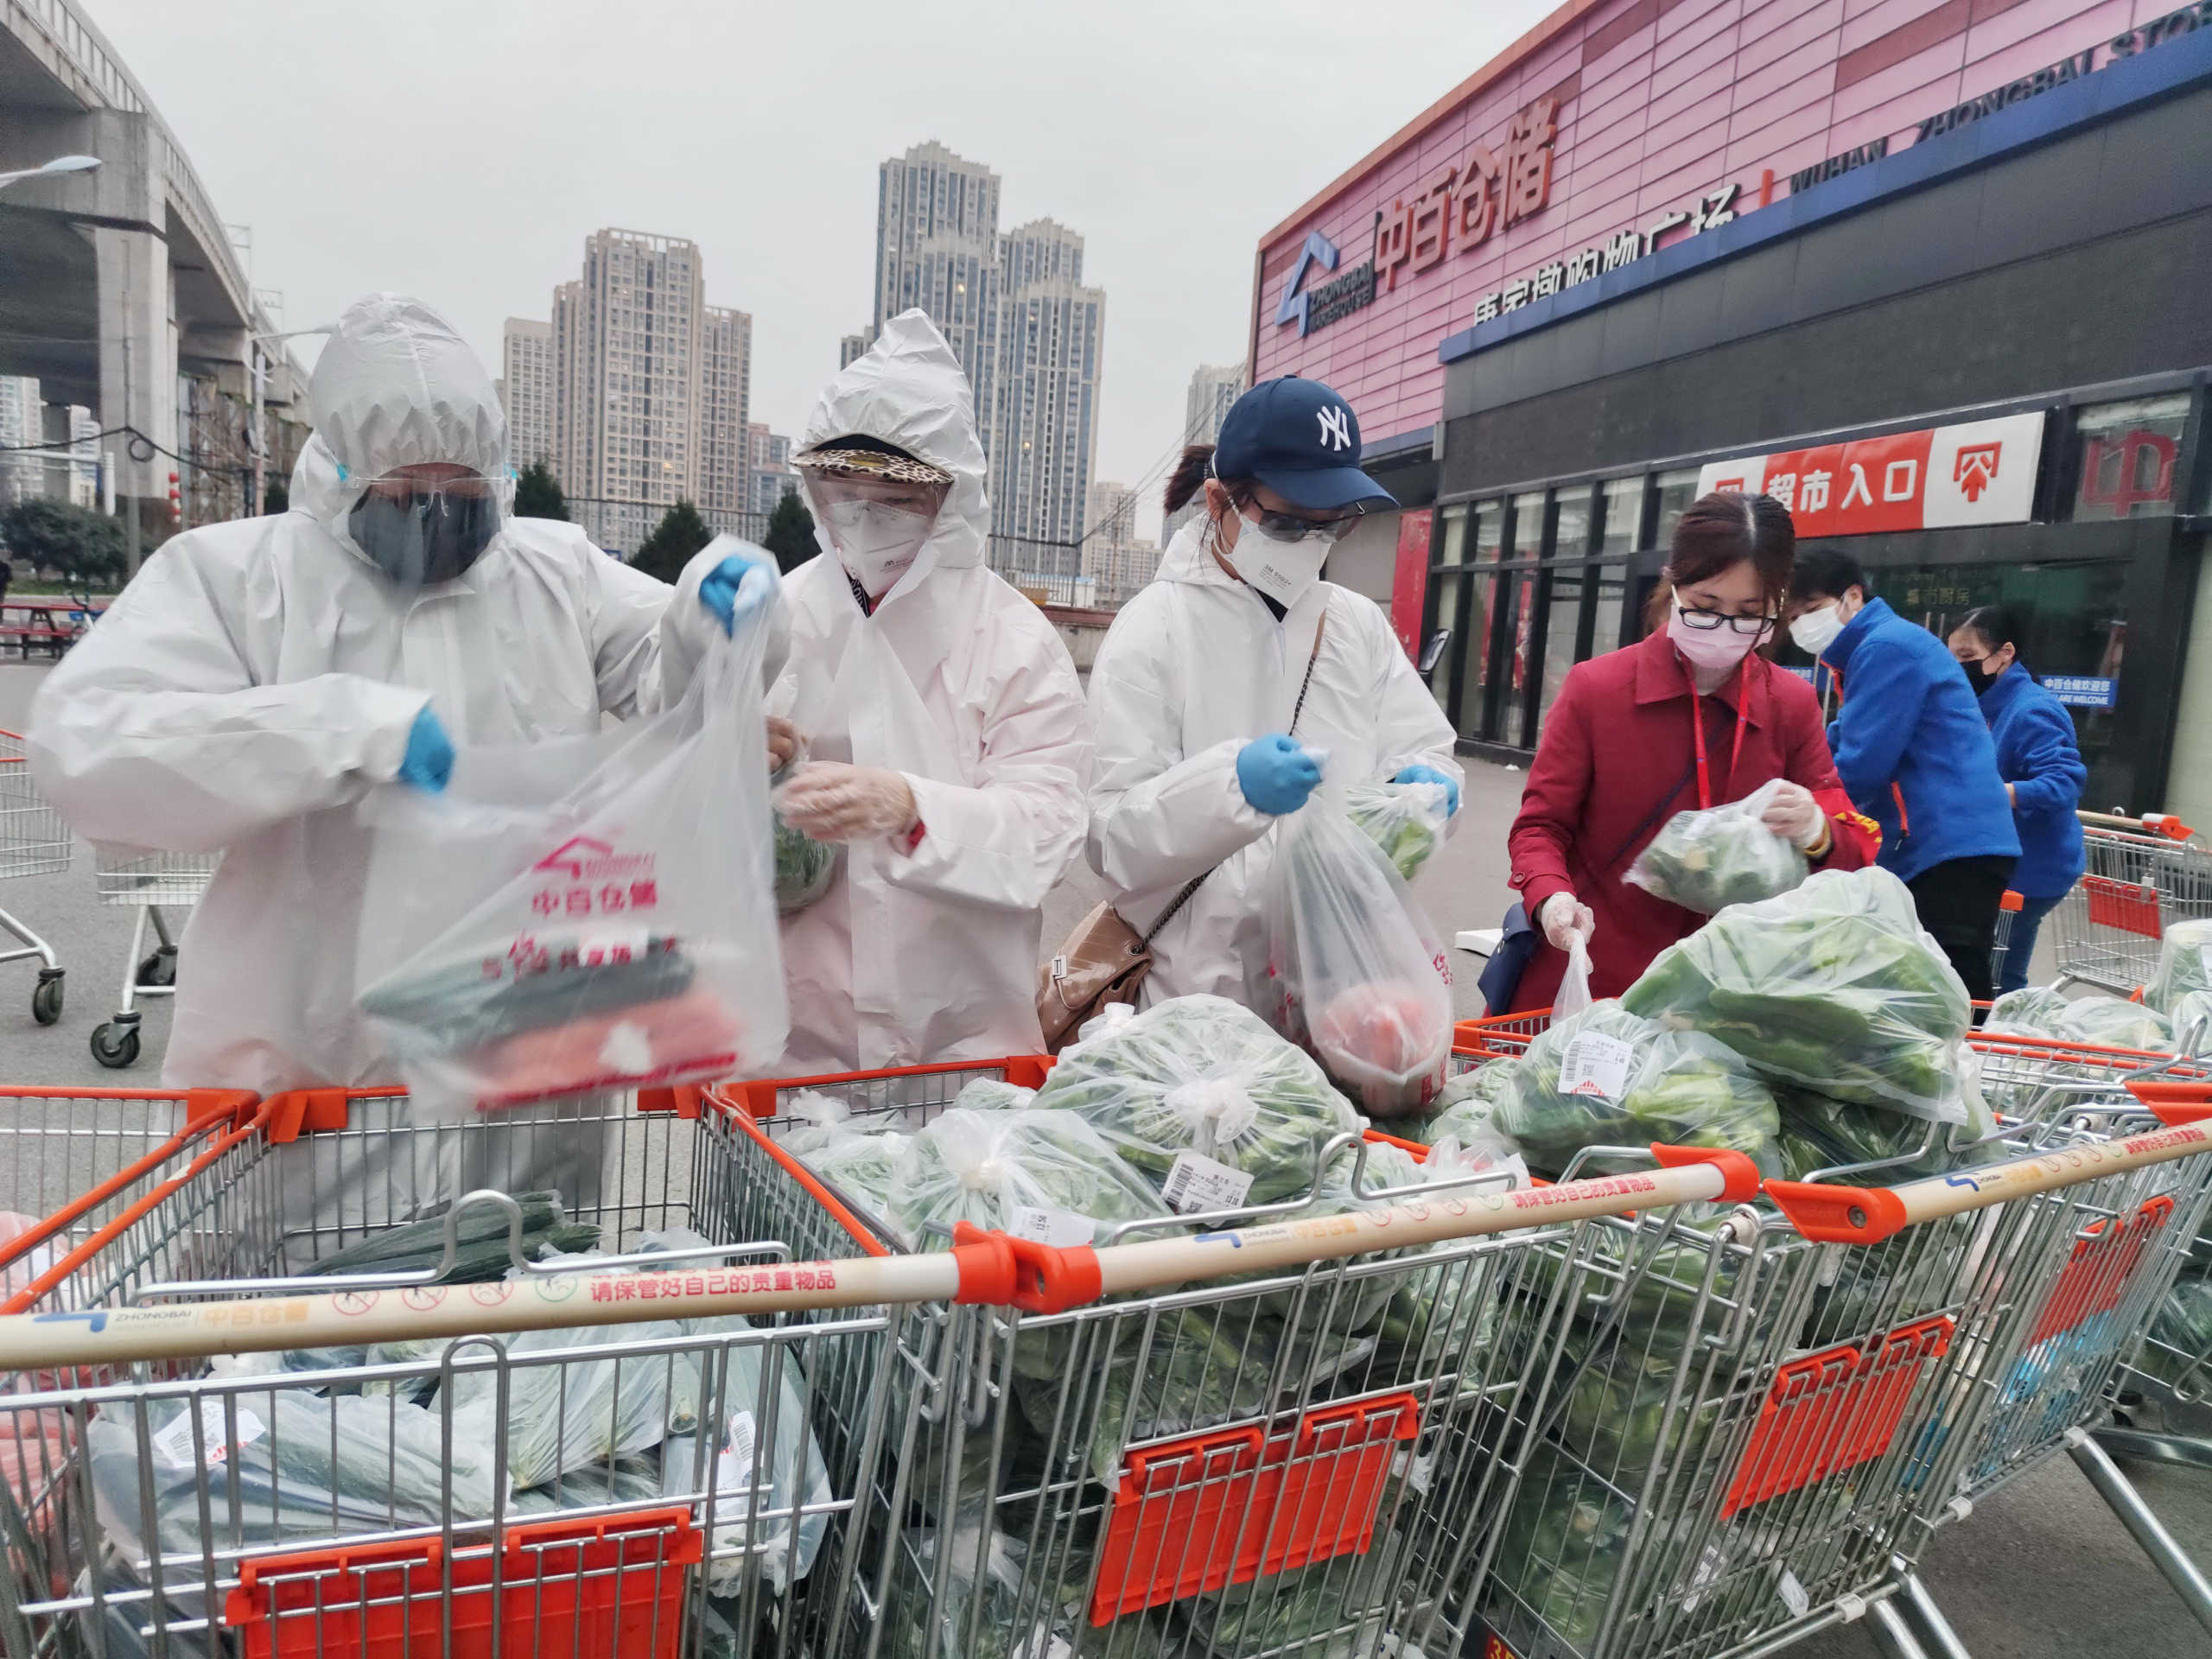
(461, 149)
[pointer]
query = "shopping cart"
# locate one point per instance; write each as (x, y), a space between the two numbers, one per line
(151, 882)
(34, 841)
(649, 1489)
(2143, 875)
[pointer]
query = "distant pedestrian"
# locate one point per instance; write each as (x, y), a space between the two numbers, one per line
(1914, 751)
(2040, 760)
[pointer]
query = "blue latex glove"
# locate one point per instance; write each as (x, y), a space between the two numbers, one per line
(739, 586)
(429, 760)
(1431, 775)
(1275, 774)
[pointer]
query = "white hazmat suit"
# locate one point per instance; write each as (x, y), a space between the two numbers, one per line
(257, 678)
(1195, 667)
(929, 951)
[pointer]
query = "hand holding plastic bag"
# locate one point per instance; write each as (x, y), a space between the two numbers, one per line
(1357, 972)
(617, 926)
(1406, 820)
(1726, 856)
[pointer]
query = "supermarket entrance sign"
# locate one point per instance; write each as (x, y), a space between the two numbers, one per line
(2083, 690)
(1973, 473)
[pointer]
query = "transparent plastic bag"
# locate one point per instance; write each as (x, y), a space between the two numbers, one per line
(1608, 1077)
(1198, 1078)
(2192, 1024)
(1708, 860)
(2114, 1022)
(1357, 972)
(1834, 987)
(1407, 821)
(805, 868)
(1046, 1175)
(1573, 996)
(617, 925)
(2184, 965)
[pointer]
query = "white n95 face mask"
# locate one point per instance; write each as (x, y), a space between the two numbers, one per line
(1815, 631)
(1282, 571)
(876, 543)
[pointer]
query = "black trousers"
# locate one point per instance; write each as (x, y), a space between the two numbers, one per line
(1958, 901)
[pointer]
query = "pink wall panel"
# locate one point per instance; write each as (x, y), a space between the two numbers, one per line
(1669, 105)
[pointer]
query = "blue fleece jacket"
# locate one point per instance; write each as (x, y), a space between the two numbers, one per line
(1912, 748)
(2037, 755)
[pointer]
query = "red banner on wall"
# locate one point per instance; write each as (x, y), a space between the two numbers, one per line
(1409, 582)
(1974, 473)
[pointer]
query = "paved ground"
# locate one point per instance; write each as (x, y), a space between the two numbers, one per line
(2044, 1570)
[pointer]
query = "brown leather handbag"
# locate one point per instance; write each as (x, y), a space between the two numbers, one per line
(1105, 960)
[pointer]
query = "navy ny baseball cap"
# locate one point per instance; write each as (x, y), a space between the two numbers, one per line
(1301, 441)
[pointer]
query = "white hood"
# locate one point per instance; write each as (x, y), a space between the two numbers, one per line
(909, 390)
(395, 385)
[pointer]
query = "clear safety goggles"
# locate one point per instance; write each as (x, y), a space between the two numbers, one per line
(442, 491)
(832, 489)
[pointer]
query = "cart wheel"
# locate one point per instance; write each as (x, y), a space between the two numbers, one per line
(160, 968)
(46, 999)
(115, 1047)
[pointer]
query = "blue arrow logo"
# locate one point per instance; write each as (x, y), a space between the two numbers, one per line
(96, 1318)
(1962, 1181)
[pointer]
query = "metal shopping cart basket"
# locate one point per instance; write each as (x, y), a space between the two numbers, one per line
(649, 1488)
(2143, 875)
(34, 841)
(151, 882)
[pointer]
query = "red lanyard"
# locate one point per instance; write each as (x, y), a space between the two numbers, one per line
(1697, 729)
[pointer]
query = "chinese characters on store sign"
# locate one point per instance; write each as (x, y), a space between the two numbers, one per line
(2083, 690)
(1469, 201)
(1714, 209)
(1974, 473)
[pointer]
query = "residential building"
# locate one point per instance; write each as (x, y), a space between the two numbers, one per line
(526, 389)
(937, 247)
(1214, 389)
(22, 469)
(1117, 559)
(725, 492)
(1045, 435)
(769, 471)
(850, 347)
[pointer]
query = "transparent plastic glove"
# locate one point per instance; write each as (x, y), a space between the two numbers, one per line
(1276, 774)
(783, 743)
(429, 760)
(831, 801)
(1564, 919)
(1794, 815)
(739, 586)
(1431, 775)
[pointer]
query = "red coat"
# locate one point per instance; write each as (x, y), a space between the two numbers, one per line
(1615, 761)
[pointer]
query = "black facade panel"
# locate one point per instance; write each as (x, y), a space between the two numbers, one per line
(2125, 306)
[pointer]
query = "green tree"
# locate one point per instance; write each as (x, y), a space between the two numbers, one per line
(680, 533)
(73, 542)
(790, 534)
(538, 493)
(276, 495)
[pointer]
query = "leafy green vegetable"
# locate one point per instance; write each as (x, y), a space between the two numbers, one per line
(1818, 1133)
(480, 1255)
(1615, 1418)
(1834, 987)
(2184, 965)
(986, 1167)
(871, 1170)
(1563, 1540)
(1333, 1610)
(1405, 820)
(1199, 1074)
(804, 867)
(2030, 1010)
(1708, 861)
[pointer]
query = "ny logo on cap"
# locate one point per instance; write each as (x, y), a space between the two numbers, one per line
(1336, 428)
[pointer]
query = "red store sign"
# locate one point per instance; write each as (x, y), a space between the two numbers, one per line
(1974, 473)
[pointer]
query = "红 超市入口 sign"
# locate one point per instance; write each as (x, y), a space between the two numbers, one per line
(1973, 472)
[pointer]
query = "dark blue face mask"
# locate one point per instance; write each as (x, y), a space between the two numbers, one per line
(419, 539)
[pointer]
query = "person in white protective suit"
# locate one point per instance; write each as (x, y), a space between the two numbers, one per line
(1218, 682)
(257, 678)
(947, 744)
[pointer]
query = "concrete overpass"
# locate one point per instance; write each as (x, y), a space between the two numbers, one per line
(119, 288)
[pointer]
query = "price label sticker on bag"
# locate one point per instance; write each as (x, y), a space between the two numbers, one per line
(1061, 1228)
(734, 1465)
(1196, 1184)
(1595, 1064)
(1793, 1594)
(173, 1443)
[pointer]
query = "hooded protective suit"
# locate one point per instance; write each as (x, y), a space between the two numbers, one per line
(257, 678)
(929, 951)
(1195, 667)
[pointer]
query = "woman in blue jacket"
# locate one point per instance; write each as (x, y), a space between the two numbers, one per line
(2041, 764)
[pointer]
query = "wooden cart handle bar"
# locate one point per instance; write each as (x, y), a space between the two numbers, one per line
(981, 1267)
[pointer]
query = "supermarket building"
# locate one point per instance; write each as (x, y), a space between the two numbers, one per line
(1931, 271)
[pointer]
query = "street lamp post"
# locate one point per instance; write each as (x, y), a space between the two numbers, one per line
(60, 164)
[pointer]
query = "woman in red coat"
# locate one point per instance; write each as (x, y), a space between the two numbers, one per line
(1692, 716)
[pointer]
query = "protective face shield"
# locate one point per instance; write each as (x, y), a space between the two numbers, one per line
(878, 530)
(419, 531)
(1815, 631)
(1282, 556)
